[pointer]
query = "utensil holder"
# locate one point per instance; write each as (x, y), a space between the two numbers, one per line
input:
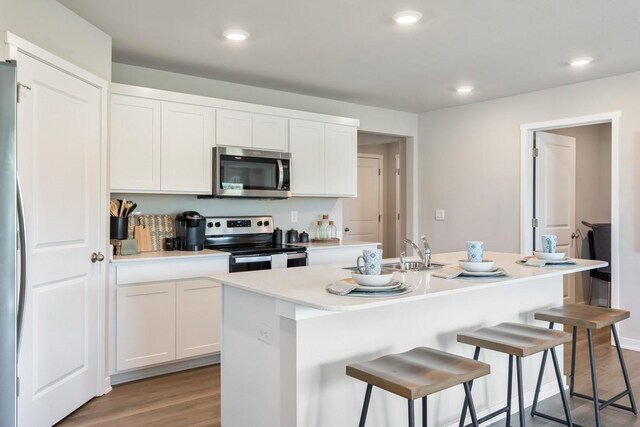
(119, 227)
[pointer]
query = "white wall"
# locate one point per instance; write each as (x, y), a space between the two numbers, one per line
(53, 27)
(593, 193)
(469, 159)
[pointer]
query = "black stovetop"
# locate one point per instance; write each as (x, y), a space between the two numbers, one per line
(258, 248)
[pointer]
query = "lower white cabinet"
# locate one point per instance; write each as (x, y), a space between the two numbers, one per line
(198, 308)
(145, 325)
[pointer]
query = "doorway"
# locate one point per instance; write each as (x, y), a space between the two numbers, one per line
(556, 195)
(392, 216)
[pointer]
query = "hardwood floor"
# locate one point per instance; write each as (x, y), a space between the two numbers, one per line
(192, 398)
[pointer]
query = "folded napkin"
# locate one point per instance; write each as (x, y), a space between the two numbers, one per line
(534, 262)
(448, 273)
(342, 287)
(129, 247)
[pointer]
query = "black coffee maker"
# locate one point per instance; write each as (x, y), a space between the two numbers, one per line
(190, 230)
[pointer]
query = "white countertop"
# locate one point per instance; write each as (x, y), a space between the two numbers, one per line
(166, 255)
(334, 245)
(306, 286)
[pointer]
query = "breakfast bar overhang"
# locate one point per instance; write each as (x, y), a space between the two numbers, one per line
(286, 341)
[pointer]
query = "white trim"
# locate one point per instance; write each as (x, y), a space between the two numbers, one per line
(381, 192)
(165, 95)
(526, 187)
(397, 203)
(629, 344)
(168, 368)
(28, 48)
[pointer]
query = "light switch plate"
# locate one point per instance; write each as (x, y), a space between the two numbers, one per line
(439, 214)
(265, 333)
(294, 216)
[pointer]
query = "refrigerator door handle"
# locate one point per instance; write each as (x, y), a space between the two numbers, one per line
(22, 241)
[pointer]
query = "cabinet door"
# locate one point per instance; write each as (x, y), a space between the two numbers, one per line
(341, 160)
(197, 318)
(145, 325)
(306, 143)
(135, 144)
(233, 128)
(187, 139)
(269, 133)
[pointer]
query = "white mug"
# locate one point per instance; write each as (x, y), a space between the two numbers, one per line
(372, 262)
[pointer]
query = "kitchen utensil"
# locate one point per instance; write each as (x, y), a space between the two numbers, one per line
(549, 242)
(132, 208)
(554, 256)
(292, 236)
(304, 237)
(372, 279)
(372, 260)
(484, 265)
(123, 205)
(114, 207)
(143, 236)
(475, 251)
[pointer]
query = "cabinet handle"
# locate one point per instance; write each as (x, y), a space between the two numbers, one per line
(347, 229)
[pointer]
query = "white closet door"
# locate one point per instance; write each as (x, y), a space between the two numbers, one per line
(59, 164)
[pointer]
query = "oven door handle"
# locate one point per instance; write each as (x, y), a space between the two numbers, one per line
(280, 175)
(297, 255)
(249, 259)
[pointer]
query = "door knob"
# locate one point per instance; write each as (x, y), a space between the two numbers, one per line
(97, 257)
(347, 229)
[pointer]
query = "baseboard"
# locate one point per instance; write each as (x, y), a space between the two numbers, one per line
(630, 344)
(167, 368)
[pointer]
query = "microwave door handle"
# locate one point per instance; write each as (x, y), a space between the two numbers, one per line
(280, 174)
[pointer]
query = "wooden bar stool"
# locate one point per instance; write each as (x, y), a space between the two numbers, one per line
(517, 341)
(586, 316)
(416, 374)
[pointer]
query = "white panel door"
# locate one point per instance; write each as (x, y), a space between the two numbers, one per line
(341, 160)
(306, 144)
(187, 138)
(363, 214)
(269, 133)
(555, 195)
(233, 128)
(198, 314)
(145, 325)
(135, 144)
(59, 163)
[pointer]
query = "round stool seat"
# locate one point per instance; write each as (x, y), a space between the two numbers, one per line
(515, 339)
(583, 316)
(418, 372)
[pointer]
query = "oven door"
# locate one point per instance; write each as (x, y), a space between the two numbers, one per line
(238, 263)
(251, 173)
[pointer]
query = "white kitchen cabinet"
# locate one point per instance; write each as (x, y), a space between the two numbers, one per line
(233, 128)
(145, 325)
(187, 138)
(246, 130)
(269, 133)
(198, 308)
(135, 144)
(341, 160)
(324, 159)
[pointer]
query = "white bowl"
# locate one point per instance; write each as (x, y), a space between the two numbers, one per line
(485, 265)
(372, 279)
(552, 256)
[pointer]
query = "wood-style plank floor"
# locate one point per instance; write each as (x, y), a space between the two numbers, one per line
(192, 398)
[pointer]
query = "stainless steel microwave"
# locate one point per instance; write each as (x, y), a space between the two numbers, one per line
(247, 173)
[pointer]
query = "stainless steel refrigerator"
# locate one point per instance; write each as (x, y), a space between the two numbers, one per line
(12, 264)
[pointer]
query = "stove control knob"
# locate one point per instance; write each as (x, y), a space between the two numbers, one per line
(259, 224)
(217, 224)
(266, 223)
(210, 224)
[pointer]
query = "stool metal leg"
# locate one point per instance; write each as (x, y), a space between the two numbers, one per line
(365, 405)
(625, 374)
(594, 381)
(472, 408)
(520, 392)
(536, 395)
(476, 355)
(412, 421)
(572, 376)
(424, 411)
(509, 390)
(565, 405)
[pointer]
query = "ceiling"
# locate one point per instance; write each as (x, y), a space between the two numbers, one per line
(351, 50)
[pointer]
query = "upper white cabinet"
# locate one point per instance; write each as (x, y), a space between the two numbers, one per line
(186, 148)
(259, 131)
(324, 159)
(135, 143)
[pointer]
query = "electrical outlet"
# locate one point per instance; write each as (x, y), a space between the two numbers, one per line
(439, 214)
(294, 216)
(265, 333)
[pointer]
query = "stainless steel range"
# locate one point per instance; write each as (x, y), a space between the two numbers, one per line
(249, 241)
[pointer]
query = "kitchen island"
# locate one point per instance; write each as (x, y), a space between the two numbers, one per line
(286, 341)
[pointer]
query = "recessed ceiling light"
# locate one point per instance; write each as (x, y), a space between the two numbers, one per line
(464, 89)
(236, 35)
(580, 62)
(407, 17)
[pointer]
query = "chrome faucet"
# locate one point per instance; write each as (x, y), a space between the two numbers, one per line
(425, 253)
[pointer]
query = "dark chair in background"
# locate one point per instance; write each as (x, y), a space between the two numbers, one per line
(600, 248)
